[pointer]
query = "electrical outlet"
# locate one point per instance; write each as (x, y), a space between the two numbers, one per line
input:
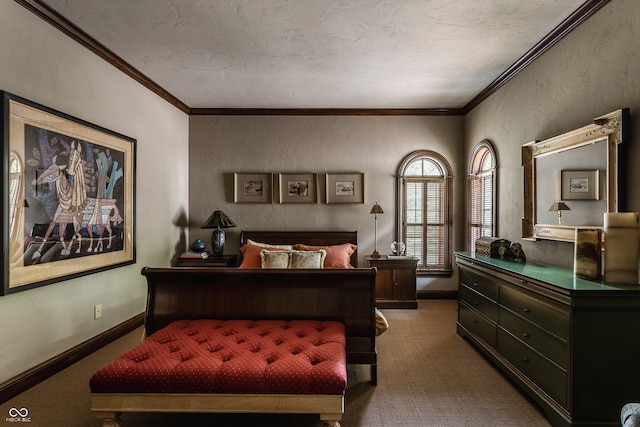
(97, 311)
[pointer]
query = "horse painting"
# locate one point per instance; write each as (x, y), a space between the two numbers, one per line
(93, 215)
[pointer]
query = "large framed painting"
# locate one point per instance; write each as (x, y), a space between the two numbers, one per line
(68, 196)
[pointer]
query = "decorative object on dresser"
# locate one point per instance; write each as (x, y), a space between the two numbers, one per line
(197, 246)
(517, 254)
(559, 206)
(376, 210)
(395, 282)
(587, 253)
(218, 220)
(398, 248)
(621, 248)
(490, 246)
(563, 339)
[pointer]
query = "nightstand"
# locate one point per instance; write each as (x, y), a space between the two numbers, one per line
(395, 281)
(226, 260)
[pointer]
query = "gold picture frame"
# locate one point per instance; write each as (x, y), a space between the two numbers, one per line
(580, 185)
(297, 188)
(345, 187)
(254, 187)
(68, 196)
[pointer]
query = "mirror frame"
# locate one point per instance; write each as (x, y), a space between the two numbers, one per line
(610, 127)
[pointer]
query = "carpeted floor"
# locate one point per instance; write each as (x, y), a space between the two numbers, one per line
(427, 376)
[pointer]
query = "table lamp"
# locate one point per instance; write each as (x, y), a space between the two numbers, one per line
(375, 210)
(218, 220)
(559, 206)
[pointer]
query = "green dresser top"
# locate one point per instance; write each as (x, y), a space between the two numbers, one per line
(545, 272)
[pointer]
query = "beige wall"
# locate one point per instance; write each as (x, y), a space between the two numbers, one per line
(221, 145)
(593, 71)
(41, 64)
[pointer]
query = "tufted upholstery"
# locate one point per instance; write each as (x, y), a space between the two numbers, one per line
(233, 356)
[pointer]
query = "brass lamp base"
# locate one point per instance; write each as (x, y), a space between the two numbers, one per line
(375, 255)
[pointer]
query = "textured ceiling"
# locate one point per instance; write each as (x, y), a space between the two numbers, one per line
(387, 54)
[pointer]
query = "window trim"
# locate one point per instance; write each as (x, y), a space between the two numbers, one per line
(478, 155)
(448, 191)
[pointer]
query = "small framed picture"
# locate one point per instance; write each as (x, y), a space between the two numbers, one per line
(297, 188)
(252, 187)
(580, 185)
(345, 187)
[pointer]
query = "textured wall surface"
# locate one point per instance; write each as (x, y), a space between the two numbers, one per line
(222, 145)
(45, 66)
(593, 71)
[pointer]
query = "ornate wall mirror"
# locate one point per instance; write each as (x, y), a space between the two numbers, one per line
(572, 179)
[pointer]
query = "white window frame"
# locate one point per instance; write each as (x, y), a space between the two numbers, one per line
(444, 225)
(482, 194)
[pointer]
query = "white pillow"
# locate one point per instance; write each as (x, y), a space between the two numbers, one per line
(266, 245)
(275, 259)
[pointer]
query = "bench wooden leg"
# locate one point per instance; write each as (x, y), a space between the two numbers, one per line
(109, 419)
(374, 374)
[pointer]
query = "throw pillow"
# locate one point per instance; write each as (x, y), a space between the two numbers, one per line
(338, 256)
(275, 259)
(307, 259)
(251, 255)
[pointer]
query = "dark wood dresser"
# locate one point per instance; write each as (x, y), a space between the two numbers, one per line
(570, 343)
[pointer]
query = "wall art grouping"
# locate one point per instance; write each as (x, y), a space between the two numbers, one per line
(68, 196)
(298, 187)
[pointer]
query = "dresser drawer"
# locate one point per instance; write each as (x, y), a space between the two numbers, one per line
(477, 323)
(553, 319)
(549, 377)
(480, 283)
(479, 302)
(550, 346)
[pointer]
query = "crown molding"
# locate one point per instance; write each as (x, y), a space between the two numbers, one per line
(585, 11)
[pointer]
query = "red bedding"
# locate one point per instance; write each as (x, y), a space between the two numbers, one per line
(233, 356)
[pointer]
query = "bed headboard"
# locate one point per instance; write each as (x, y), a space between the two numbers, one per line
(314, 238)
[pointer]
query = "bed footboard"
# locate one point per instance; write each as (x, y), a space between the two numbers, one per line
(344, 295)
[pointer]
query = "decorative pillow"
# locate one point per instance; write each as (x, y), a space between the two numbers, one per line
(338, 256)
(251, 255)
(308, 259)
(266, 245)
(275, 259)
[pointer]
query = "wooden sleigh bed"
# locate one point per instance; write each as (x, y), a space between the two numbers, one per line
(323, 296)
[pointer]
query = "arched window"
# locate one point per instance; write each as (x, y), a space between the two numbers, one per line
(481, 193)
(424, 209)
(16, 198)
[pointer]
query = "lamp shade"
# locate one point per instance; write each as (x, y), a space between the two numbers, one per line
(559, 206)
(219, 219)
(376, 209)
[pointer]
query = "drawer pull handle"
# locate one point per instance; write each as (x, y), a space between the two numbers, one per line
(525, 335)
(526, 310)
(525, 360)
(475, 303)
(475, 284)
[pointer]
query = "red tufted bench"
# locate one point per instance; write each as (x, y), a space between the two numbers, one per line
(296, 366)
